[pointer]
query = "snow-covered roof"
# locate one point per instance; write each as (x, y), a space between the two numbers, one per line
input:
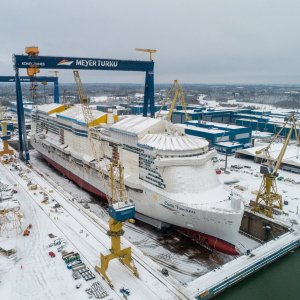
(229, 144)
(202, 129)
(169, 142)
(291, 156)
(75, 114)
(137, 125)
(48, 107)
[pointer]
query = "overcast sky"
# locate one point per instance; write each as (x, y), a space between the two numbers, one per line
(199, 41)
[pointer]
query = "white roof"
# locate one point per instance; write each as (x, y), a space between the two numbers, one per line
(202, 129)
(168, 142)
(137, 125)
(291, 156)
(48, 107)
(217, 124)
(75, 114)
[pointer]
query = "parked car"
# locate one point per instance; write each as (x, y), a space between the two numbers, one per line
(52, 254)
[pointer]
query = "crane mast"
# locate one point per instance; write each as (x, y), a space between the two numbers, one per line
(175, 93)
(120, 210)
(267, 197)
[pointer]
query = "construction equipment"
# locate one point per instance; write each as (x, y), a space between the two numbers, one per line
(119, 209)
(26, 232)
(268, 198)
(32, 52)
(174, 93)
(150, 51)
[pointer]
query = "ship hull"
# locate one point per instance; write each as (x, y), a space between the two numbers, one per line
(202, 238)
(79, 181)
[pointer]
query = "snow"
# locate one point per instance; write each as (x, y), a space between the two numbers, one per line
(249, 178)
(291, 156)
(75, 114)
(99, 99)
(36, 275)
(48, 276)
(229, 144)
(48, 107)
(261, 134)
(225, 126)
(201, 129)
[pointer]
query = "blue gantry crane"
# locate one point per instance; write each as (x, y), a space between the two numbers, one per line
(33, 62)
(23, 145)
(41, 79)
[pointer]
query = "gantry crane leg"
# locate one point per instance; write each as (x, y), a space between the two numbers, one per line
(124, 255)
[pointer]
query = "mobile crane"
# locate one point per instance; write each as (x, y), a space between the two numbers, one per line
(268, 198)
(120, 210)
(175, 93)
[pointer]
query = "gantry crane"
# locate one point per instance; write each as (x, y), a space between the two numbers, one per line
(120, 210)
(33, 62)
(268, 197)
(174, 94)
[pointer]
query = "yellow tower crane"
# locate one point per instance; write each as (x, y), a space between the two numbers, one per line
(5, 136)
(268, 198)
(120, 210)
(175, 93)
(150, 51)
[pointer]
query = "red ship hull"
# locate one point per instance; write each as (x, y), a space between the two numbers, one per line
(210, 241)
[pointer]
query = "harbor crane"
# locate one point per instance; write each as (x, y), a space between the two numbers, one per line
(120, 210)
(175, 93)
(268, 198)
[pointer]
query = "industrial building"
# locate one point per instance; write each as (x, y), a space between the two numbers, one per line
(225, 138)
(258, 120)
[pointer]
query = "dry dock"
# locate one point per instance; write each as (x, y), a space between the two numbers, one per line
(72, 219)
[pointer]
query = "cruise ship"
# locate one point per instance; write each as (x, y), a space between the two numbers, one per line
(169, 176)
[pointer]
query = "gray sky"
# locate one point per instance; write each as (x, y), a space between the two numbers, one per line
(199, 41)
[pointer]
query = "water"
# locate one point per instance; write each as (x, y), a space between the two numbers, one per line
(280, 280)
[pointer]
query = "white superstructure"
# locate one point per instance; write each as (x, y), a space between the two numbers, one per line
(169, 175)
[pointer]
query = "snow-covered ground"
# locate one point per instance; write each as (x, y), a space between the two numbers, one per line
(33, 274)
(248, 180)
